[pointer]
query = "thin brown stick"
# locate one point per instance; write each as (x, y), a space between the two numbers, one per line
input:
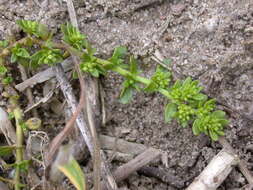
(96, 153)
(69, 126)
(132, 166)
(28, 90)
(90, 115)
(43, 76)
(141, 160)
(108, 143)
(242, 165)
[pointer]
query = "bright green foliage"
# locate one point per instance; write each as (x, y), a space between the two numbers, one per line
(46, 56)
(93, 68)
(73, 36)
(7, 80)
(186, 91)
(160, 80)
(19, 54)
(211, 124)
(170, 112)
(117, 57)
(3, 43)
(75, 174)
(184, 114)
(34, 28)
(89, 64)
(188, 105)
(3, 70)
(186, 102)
(205, 108)
(130, 84)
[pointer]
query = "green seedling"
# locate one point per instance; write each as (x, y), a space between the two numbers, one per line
(3, 70)
(46, 56)
(73, 36)
(130, 84)
(186, 103)
(34, 28)
(160, 80)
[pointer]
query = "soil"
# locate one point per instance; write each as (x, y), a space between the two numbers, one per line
(208, 40)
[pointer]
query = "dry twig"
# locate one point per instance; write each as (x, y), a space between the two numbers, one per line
(28, 90)
(241, 164)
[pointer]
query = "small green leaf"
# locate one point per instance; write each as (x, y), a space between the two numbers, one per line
(46, 56)
(220, 133)
(34, 28)
(170, 112)
(219, 114)
(119, 52)
(126, 95)
(95, 73)
(133, 66)
(200, 97)
(91, 51)
(213, 135)
(187, 81)
(73, 36)
(7, 80)
(75, 174)
(23, 53)
(223, 122)
(152, 86)
(13, 58)
(42, 31)
(4, 43)
(195, 127)
(3, 70)
(6, 150)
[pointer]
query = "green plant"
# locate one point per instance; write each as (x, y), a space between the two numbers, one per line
(75, 174)
(46, 56)
(187, 104)
(3, 43)
(34, 28)
(73, 37)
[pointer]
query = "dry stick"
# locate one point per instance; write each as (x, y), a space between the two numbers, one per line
(215, 172)
(69, 126)
(28, 90)
(242, 165)
(123, 146)
(132, 166)
(80, 121)
(43, 76)
(96, 153)
(90, 115)
(141, 160)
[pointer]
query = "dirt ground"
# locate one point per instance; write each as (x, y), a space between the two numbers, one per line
(208, 40)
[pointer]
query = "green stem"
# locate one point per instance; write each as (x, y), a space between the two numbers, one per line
(19, 152)
(126, 73)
